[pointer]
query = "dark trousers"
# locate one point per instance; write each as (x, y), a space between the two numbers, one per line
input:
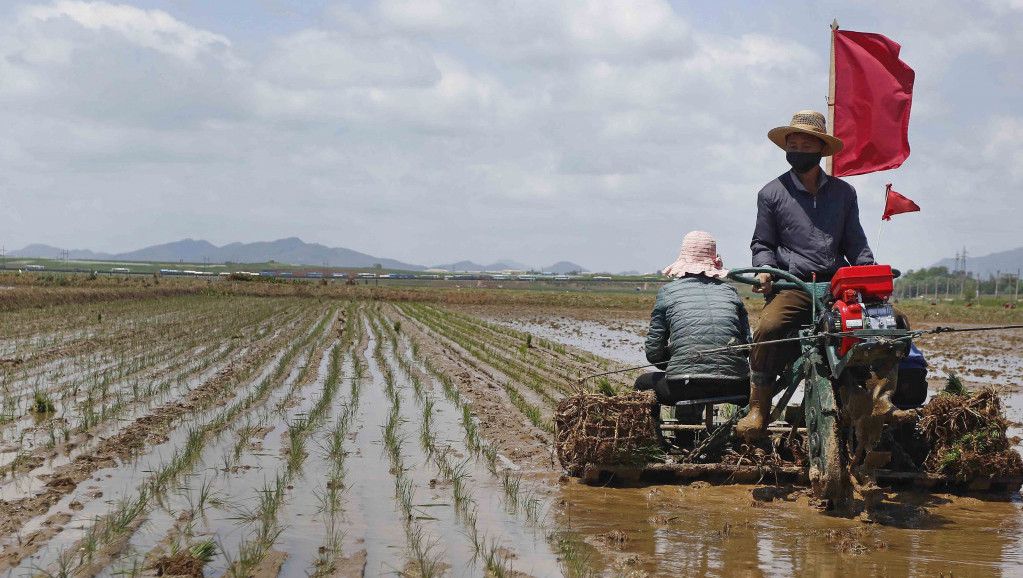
(672, 391)
(786, 311)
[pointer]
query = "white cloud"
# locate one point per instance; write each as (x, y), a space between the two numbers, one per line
(426, 130)
(151, 29)
(323, 60)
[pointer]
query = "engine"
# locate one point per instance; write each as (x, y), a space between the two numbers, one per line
(861, 301)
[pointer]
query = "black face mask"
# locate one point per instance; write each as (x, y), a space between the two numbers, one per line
(802, 162)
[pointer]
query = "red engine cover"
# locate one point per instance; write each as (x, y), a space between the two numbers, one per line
(871, 281)
(850, 316)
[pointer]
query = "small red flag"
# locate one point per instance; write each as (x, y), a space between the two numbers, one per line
(896, 203)
(873, 95)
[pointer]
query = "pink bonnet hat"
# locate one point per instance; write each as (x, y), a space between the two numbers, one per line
(698, 255)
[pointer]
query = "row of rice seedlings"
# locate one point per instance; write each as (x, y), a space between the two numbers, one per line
(532, 412)
(488, 550)
(32, 330)
(523, 355)
(472, 324)
(151, 340)
(268, 528)
(90, 416)
(332, 496)
(254, 549)
(522, 373)
(517, 498)
(161, 480)
(96, 412)
(60, 429)
(425, 553)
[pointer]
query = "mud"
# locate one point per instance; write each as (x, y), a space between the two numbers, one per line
(702, 529)
(537, 521)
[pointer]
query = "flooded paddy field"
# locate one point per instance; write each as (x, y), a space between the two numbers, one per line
(764, 530)
(255, 436)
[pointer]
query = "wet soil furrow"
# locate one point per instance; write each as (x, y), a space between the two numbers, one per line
(482, 501)
(110, 420)
(153, 427)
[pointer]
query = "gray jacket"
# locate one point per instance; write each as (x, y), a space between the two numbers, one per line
(696, 313)
(803, 233)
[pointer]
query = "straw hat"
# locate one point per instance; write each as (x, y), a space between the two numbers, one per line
(699, 254)
(808, 122)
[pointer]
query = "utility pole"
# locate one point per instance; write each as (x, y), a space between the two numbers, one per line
(962, 273)
(1017, 297)
(998, 278)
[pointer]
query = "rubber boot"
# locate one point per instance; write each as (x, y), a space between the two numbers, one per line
(754, 425)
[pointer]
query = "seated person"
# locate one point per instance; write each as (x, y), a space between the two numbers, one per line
(696, 312)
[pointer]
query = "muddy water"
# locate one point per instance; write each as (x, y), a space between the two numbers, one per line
(619, 340)
(714, 531)
(373, 513)
(706, 530)
(98, 496)
(523, 541)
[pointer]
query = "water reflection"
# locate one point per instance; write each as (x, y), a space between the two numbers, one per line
(701, 530)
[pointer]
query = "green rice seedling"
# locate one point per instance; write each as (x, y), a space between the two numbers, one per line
(204, 551)
(605, 387)
(206, 497)
(458, 476)
(511, 485)
(42, 404)
(575, 560)
(65, 566)
(476, 539)
(426, 437)
(325, 563)
(727, 410)
(496, 563)
(954, 385)
(531, 411)
(424, 553)
(533, 509)
(490, 459)
(469, 423)
(331, 496)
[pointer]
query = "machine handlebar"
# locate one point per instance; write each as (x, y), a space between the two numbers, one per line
(792, 282)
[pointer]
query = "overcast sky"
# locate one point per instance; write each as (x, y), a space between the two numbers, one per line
(435, 130)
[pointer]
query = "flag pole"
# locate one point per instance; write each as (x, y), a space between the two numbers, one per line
(877, 245)
(830, 163)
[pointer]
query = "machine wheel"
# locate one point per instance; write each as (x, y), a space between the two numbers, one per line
(829, 476)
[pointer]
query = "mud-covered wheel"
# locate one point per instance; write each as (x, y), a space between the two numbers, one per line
(829, 476)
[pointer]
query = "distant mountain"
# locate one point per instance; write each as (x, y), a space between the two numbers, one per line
(1005, 261)
(290, 250)
(563, 267)
(513, 264)
(470, 266)
(47, 252)
(187, 250)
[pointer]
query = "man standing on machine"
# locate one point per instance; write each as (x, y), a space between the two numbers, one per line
(807, 223)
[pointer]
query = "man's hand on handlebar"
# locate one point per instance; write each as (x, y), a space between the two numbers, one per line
(766, 284)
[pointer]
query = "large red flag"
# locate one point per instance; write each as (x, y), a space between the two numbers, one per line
(873, 94)
(894, 204)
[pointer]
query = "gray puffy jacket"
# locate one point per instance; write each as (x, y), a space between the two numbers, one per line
(696, 313)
